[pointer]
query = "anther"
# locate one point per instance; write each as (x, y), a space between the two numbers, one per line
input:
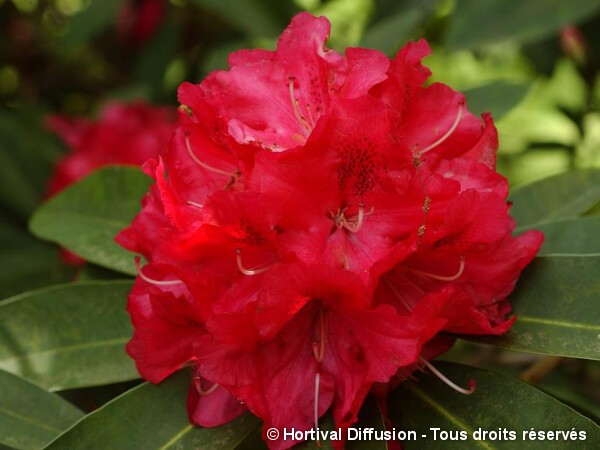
(448, 133)
(152, 281)
(472, 383)
(250, 272)
(204, 165)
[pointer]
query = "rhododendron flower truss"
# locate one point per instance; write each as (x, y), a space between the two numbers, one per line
(317, 221)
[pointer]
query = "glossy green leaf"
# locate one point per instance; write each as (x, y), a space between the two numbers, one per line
(27, 153)
(571, 237)
(27, 263)
(154, 58)
(255, 17)
(556, 304)
(498, 403)
(390, 33)
(30, 417)
(497, 98)
(89, 22)
(86, 217)
(559, 197)
(152, 417)
(476, 23)
(68, 336)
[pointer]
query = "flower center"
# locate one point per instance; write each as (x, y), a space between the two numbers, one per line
(352, 224)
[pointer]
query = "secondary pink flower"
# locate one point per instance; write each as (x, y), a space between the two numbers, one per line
(317, 220)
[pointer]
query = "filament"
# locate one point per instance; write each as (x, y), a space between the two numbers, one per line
(197, 205)
(398, 295)
(456, 276)
(151, 280)
(201, 391)
(317, 385)
(249, 272)
(442, 377)
(301, 119)
(203, 164)
(448, 133)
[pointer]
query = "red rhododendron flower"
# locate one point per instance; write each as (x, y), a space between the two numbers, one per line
(317, 220)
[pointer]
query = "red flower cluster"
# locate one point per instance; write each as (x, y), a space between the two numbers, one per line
(317, 220)
(123, 134)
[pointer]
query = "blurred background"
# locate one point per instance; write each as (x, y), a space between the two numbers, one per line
(533, 64)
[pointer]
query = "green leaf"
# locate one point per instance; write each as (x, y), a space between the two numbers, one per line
(88, 23)
(476, 23)
(556, 304)
(497, 98)
(86, 216)
(152, 417)
(571, 237)
(154, 58)
(27, 263)
(68, 336)
(254, 17)
(390, 33)
(499, 402)
(30, 417)
(27, 154)
(554, 198)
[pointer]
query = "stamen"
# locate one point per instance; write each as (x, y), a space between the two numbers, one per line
(201, 391)
(456, 276)
(448, 133)
(197, 205)
(442, 377)
(249, 272)
(319, 347)
(354, 224)
(310, 116)
(398, 295)
(295, 105)
(151, 280)
(355, 227)
(204, 165)
(317, 385)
